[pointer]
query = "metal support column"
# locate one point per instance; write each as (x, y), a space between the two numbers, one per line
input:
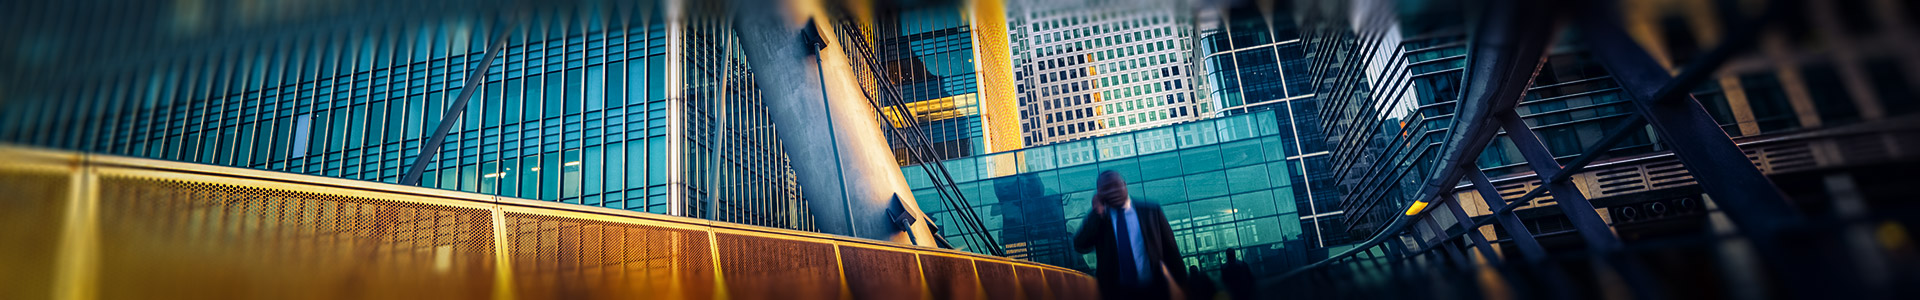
(1446, 244)
(1720, 167)
(1599, 237)
(1530, 249)
(825, 123)
(1473, 232)
(1592, 229)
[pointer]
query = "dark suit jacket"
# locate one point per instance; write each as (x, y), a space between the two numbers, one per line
(1096, 235)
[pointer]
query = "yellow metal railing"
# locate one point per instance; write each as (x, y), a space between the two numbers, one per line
(81, 226)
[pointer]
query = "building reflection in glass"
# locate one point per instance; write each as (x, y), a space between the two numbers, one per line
(1225, 184)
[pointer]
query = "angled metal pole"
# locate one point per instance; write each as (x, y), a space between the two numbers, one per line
(1473, 231)
(1721, 168)
(1442, 240)
(1593, 152)
(1599, 237)
(1530, 249)
(476, 77)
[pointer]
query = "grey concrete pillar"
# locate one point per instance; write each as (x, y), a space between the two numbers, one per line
(829, 130)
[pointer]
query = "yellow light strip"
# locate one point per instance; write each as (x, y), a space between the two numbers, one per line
(1417, 206)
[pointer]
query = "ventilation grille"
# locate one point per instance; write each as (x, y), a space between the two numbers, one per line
(1780, 158)
(1659, 173)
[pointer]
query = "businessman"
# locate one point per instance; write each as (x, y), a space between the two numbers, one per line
(1134, 248)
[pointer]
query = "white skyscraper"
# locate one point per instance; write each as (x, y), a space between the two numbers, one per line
(1089, 68)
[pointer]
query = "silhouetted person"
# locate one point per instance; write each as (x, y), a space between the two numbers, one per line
(1199, 285)
(1238, 278)
(1132, 242)
(1036, 220)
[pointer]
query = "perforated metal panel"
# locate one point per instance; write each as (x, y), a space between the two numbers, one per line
(997, 279)
(1033, 283)
(153, 229)
(186, 239)
(771, 268)
(573, 258)
(950, 277)
(32, 211)
(882, 274)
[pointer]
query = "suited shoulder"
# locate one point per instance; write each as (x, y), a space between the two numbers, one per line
(1145, 205)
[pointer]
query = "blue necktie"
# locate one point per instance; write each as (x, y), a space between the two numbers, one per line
(1123, 241)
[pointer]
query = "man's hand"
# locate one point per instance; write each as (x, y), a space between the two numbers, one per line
(1099, 206)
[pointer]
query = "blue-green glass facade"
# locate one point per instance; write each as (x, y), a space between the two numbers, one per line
(926, 51)
(1252, 59)
(1225, 184)
(625, 105)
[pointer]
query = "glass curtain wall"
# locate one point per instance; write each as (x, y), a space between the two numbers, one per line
(1225, 184)
(1253, 60)
(926, 50)
(579, 107)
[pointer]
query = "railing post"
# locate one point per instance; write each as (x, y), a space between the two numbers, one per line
(77, 273)
(502, 254)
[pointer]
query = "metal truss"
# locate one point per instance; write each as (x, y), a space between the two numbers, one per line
(1506, 48)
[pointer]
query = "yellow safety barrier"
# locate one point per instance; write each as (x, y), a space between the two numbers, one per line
(83, 226)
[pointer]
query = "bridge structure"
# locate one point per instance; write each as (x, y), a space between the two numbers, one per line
(86, 226)
(1463, 236)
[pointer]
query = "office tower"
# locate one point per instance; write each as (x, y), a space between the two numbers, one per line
(939, 57)
(642, 106)
(1225, 183)
(1252, 59)
(1091, 68)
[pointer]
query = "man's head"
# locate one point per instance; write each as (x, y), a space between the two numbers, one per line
(1111, 189)
(1233, 256)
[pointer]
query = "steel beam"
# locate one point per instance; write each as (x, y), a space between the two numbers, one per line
(1599, 237)
(1522, 239)
(1614, 136)
(1445, 242)
(1721, 168)
(825, 122)
(1473, 231)
(476, 77)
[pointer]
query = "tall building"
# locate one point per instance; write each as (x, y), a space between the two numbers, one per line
(642, 106)
(1252, 59)
(939, 57)
(1091, 68)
